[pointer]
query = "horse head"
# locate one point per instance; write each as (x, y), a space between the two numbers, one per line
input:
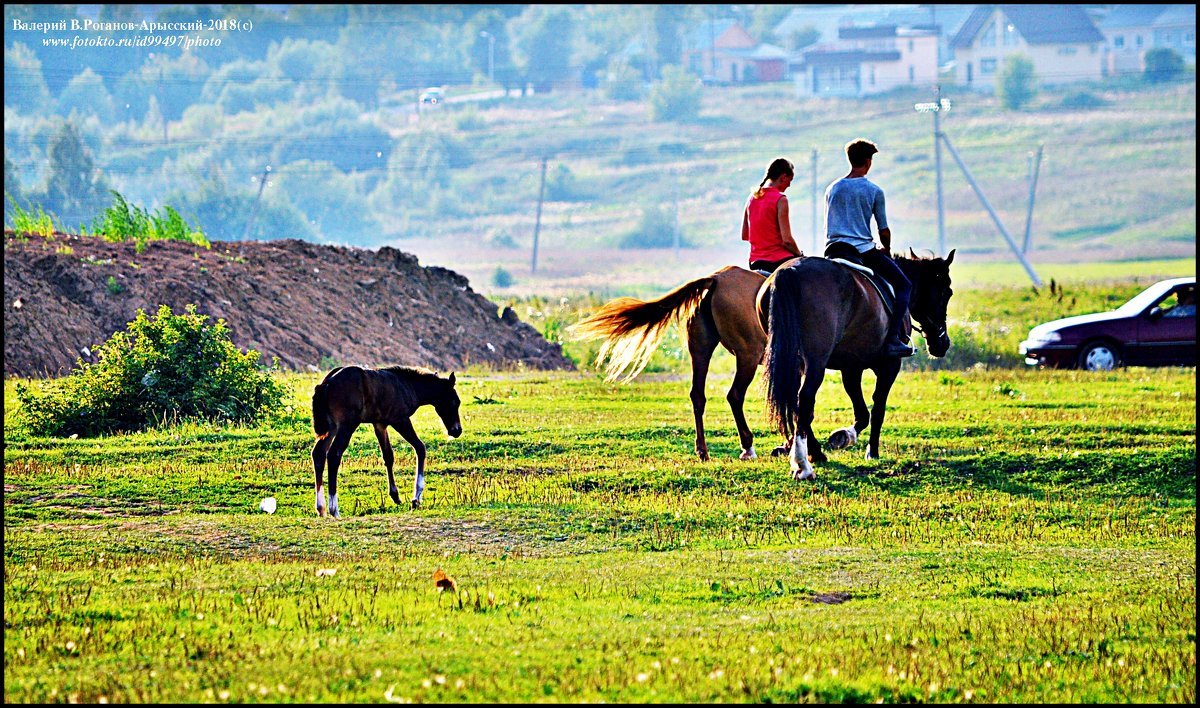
(930, 295)
(446, 404)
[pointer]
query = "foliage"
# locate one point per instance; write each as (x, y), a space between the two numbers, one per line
(676, 97)
(75, 188)
(124, 221)
(225, 213)
(1082, 99)
(655, 229)
(548, 46)
(501, 278)
(35, 221)
(622, 82)
(1163, 64)
(162, 369)
(1016, 83)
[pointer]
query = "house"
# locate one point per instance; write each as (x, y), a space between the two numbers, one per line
(826, 20)
(722, 51)
(1061, 41)
(868, 60)
(1132, 30)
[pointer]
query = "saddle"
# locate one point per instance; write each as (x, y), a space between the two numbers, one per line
(848, 256)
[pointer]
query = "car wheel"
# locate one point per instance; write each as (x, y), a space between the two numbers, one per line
(1099, 356)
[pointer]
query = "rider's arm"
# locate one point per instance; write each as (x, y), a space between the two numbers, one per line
(885, 239)
(785, 227)
(746, 222)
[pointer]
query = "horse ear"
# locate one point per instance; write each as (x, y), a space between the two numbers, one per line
(950, 258)
(912, 253)
(451, 377)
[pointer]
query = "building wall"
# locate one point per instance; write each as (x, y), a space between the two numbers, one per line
(917, 66)
(1053, 64)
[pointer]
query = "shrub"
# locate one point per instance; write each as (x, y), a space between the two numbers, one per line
(676, 97)
(163, 369)
(501, 278)
(1163, 64)
(1016, 82)
(1081, 99)
(123, 221)
(655, 230)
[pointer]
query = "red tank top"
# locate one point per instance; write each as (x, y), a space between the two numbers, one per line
(766, 243)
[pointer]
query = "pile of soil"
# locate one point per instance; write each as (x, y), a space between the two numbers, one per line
(310, 305)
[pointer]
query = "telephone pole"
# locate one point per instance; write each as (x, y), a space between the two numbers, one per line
(936, 107)
(254, 212)
(537, 225)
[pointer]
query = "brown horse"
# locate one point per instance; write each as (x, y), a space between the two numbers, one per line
(718, 309)
(821, 315)
(349, 396)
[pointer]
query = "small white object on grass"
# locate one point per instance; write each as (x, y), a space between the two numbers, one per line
(267, 505)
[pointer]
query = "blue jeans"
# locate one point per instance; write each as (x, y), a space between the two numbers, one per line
(882, 263)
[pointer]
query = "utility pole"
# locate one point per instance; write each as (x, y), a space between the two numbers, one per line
(675, 214)
(936, 107)
(992, 212)
(491, 55)
(816, 246)
(262, 182)
(1034, 167)
(537, 225)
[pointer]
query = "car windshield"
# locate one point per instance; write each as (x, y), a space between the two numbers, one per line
(1149, 296)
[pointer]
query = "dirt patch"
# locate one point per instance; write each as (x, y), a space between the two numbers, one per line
(312, 306)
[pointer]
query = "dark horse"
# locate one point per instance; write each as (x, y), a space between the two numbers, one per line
(718, 309)
(349, 396)
(821, 315)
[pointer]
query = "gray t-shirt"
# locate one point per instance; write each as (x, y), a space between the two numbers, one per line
(849, 205)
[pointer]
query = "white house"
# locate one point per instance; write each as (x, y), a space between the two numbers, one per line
(1132, 30)
(1061, 41)
(868, 60)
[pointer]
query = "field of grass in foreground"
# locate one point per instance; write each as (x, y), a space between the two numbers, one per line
(1029, 537)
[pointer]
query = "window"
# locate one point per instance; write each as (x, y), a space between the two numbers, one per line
(912, 76)
(1139, 41)
(1066, 51)
(989, 36)
(871, 78)
(987, 67)
(1119, 41)
(1010, 35)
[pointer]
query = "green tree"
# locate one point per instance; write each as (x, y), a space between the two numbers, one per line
(548, 48)
(1016, 83)
(25, 88)
(75, 189)
(765, 17)
(622, 82)
(1163, 64)
(668, 35)
(676, 97)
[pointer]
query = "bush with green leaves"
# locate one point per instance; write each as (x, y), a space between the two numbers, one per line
(1016, 83)
(1163, 64)
(164, 369)
(676, 97)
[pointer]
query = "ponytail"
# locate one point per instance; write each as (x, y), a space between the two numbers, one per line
(759, 192)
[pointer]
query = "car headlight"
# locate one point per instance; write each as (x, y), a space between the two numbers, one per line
(1044, 337)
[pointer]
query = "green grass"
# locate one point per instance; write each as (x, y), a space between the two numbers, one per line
(1029, 537)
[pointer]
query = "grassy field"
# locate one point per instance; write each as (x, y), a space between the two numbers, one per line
(1029, 537)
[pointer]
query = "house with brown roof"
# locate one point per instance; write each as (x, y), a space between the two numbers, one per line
(722, 51)
(868, 60)
(1061, 41)
(1132, 30)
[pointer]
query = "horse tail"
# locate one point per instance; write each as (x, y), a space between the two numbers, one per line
(785, 350)
(320, 406)
(632, 329)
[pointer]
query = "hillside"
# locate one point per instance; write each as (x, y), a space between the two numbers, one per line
(311, 306)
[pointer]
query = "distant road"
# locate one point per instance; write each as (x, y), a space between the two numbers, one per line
(395, 105)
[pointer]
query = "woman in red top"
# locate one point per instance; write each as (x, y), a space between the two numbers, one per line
(765, 222)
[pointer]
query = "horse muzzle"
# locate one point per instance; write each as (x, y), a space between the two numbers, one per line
(454, 430)
(938, 345)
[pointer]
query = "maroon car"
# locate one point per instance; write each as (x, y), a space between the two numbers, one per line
(1155, 328)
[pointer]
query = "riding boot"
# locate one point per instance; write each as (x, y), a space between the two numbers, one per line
(895, 344)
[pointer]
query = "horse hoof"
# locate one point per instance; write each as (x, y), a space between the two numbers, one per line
(803, 475)
(842, 438)
(703, 456)
(416, 503)
(396, 498)
(748, 455)
(817, 458)
(781, 451)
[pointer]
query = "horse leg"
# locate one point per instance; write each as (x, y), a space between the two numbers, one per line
(338, 446)
(852, 382)
(746, 368)
(702, 342)
(319, 452)
(385, 445)
(885, 377)
(405, 428)
(806, 400)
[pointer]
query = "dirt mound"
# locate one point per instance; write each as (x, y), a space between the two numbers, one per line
(312, 306)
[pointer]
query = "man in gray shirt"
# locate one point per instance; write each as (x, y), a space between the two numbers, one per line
(850, 202)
